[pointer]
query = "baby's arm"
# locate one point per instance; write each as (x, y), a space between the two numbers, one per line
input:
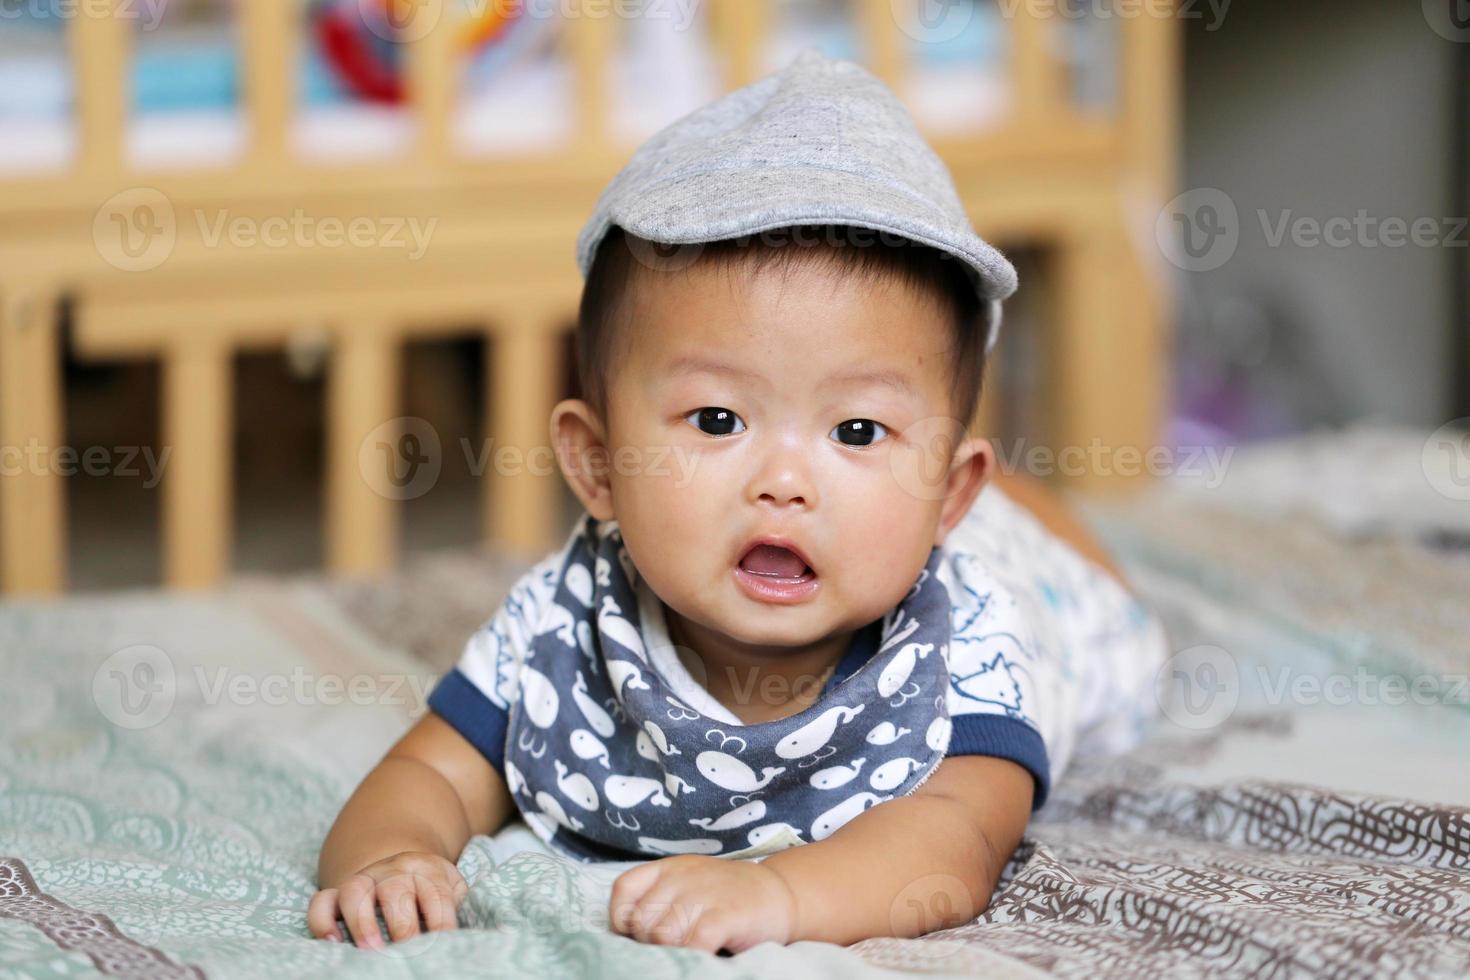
(397, 839)
(902, 868)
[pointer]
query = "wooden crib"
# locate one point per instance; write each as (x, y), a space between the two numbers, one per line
(1075, 185)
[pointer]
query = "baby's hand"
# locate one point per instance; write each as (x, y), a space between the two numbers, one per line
(405, 885)
(703, 903)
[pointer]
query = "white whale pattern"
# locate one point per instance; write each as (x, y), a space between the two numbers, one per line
(596, 715)
(834, 776)
(885, 733)
(627, 791)
(892, 773)
(815, 734)
(730, 773)
(604, 756)
(576, 787)
(832, 820)
(738, 817)
(896, 674)
(539, 700)
(587, 746)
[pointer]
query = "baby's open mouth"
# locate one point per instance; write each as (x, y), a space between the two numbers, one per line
(774, 561)
(773, 573)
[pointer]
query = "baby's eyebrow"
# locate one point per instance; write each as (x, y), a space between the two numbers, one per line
(891, 379)
(689, 364)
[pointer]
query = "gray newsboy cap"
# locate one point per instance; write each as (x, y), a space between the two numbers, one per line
(822, 141)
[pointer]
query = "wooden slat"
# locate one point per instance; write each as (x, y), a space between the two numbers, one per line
(198, 431)
(362, 495)
(32, 522)
(1036, 67)
(432, 68)
(268, 45)
(524, 373)
(1151, 50)
(100, 42)
(590, 42)
(883, 41)
(1107, 371)
(745, 28)
(119, 328)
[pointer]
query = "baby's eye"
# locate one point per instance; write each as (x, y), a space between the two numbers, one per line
(715, 421)
(858, 432)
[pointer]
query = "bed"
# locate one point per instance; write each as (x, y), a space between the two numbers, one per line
(161, 806)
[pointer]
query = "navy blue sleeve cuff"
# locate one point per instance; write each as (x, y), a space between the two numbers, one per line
(1004, 738)
(481, 721)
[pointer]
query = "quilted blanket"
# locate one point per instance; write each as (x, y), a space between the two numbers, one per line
(169, 766)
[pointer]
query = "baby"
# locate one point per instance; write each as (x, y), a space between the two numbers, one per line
(818, 646)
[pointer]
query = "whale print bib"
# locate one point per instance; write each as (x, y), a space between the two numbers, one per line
(605, 762)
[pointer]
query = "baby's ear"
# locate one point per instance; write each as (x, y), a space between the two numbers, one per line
(970, 469)
(580, 439)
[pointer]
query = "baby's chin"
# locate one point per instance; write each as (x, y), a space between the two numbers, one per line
(781, 628)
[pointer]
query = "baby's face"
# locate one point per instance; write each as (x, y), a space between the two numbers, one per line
(804, 411)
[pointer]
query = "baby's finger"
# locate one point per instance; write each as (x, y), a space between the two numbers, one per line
(321, 915)
(399, 902)
(673, 924)
(627, 890)
(656, 911)
(438, 907)
(710, 932)
(357, 901)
